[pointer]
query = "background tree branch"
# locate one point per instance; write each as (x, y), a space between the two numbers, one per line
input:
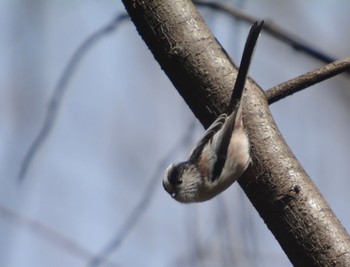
(276, 184)
(60, 89)
(272, 29)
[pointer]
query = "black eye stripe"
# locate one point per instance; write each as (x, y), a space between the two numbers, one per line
(175, 174)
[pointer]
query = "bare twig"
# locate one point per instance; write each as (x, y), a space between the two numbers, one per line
(50, 235)
(306, 80)
(56, 99)
(272, 29)
(143, 204)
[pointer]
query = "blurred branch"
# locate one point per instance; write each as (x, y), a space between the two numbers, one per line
(248, 232)
(223, 233)
(44, 232)
(272, 29)
(144, 202)
(306, 80)
(60, 89)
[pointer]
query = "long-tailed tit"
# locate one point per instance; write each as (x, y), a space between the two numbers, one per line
(222, 154)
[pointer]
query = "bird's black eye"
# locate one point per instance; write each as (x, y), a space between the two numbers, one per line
(179, 181)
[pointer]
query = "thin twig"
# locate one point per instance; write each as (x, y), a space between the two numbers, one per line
(60, 89)
(143, 204)
(271, 28)
(47, 233)
(306, 80)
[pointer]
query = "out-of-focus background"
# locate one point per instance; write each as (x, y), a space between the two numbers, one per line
(94, 187)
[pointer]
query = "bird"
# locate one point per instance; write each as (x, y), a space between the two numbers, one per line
(222, 154)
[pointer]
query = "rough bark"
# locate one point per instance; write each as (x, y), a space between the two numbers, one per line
(276, 184)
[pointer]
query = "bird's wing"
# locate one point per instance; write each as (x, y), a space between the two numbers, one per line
(221, 143)
(209, 133)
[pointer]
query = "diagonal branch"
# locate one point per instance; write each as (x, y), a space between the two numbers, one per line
(48, 234)
(276, 184)
(143, 204)
(306, 80)
(60, 89)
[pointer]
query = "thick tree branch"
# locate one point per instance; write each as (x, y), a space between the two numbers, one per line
(276, 183)
(306, 80)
